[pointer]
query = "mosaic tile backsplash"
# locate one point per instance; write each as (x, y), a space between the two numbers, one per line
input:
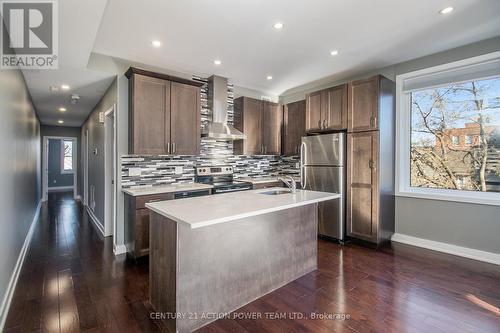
(169, 169)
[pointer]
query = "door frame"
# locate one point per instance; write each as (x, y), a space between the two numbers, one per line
(45, 164)
(85, 156)
(110, 192)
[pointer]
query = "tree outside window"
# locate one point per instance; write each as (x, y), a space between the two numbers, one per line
(455, 136)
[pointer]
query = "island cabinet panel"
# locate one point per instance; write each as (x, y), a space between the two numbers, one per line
(261, 122)
(149, 115)
(221, 267)
(363, 105)
(185, 119)
(164, 114)
(294, 127)
(271, 128)
(327, 109)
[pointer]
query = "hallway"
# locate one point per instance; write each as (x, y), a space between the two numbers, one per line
(72, 282)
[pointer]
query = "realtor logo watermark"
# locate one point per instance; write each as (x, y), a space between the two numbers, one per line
(29, 34)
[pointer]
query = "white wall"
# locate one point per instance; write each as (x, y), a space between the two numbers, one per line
(462, 224)
(20, 187)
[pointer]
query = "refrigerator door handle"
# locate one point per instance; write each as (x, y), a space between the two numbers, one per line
(302, 168)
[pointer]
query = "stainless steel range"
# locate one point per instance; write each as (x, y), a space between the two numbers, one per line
(221, 177)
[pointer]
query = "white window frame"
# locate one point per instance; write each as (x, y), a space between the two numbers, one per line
(63, 171)
(403, 139)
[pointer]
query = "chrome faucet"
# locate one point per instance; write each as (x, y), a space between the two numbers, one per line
(291, 183)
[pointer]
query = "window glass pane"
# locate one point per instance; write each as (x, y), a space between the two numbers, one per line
(68, 156)
(455, 136)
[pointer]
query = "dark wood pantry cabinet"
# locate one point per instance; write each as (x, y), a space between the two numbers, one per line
(370, 160)
(164, 114)
(261, 122)
(294, 127)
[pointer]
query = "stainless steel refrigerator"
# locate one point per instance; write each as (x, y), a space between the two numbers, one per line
(322, 161)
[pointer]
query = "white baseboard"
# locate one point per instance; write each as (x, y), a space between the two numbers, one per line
(95, 220)
(60, 188)
(489, 257)
(4, 309)
(119, 249)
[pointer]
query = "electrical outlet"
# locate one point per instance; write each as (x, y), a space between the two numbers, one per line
(178, 170)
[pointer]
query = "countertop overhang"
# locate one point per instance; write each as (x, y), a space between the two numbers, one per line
(208, 210)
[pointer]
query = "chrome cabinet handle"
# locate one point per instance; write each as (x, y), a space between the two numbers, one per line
(319, 123)
(173, 147)
(168, 147)
(324, 123)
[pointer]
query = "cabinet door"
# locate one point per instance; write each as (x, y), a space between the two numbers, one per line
(149, 116)
(334, 110)
(185, 119)
(362, 185)
(363, 105)
(247, 119)
(294, 127)
(313, 111)
(271, 128)
(141, 232)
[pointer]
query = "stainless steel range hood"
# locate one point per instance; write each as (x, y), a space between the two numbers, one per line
(218, 128)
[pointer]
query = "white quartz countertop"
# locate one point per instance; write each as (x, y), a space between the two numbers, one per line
(208, 210)
(138, 191)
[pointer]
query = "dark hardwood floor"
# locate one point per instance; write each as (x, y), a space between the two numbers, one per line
(72, 282)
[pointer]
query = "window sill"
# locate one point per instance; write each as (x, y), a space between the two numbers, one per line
(478, 198)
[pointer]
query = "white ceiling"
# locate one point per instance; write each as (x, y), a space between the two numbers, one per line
(78, 25)
(368, 35)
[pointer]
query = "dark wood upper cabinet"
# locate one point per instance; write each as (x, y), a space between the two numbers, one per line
(271, 128)
(260, 121)
(313, 111)
(294, 127)
(363, 106)
(247, 119)
(164, 114)
(185, 119)
(149, 115)
(327, 109)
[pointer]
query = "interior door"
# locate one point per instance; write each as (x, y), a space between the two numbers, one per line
(330, 213)
(185, 125)
(363, 105)
(362, 185)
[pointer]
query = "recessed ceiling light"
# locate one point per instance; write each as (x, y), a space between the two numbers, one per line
(156, 43)
(60, 121)
(278, 25)
(217, 62)
(269, 77)
(62, 109)
(64, 87)
(446, 10)
(334, 52)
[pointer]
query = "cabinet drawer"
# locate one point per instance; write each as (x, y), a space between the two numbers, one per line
(140, 202)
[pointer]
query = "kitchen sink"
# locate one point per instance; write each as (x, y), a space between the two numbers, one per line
(275, 192)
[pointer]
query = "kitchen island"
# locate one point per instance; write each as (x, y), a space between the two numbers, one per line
(211, 255)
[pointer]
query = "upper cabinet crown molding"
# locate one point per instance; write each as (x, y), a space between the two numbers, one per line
(134, 70)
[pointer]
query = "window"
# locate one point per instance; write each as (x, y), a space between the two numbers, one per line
(67, 156)
(449, 134)
(468, 140)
